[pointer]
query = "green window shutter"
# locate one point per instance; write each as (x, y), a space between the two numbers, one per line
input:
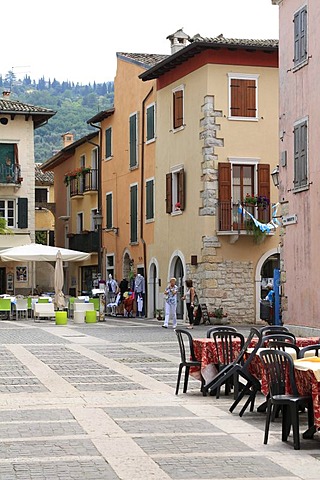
(109, 219)
(108, 143)
(150, 199)
(133, 214)
(22, 213)
(133, 140)
(150, 123)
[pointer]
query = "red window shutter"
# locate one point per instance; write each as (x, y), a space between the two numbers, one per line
(181, 189)
(178, 109)
(168, 193)
(264, 189)
(225, 210)
(250, 98)
(235, 106)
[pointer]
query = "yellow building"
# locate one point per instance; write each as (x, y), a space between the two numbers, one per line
(217, 142)
(75, 170)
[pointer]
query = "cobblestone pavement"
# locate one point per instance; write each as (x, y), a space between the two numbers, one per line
(91, 402)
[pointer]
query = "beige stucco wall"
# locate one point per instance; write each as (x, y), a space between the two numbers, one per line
(224, 270)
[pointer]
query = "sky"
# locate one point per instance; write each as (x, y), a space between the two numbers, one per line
(78, 40)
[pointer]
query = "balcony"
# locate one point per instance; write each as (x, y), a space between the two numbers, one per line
(85, 182)
(232, 221)
(84, 242)
(10, 174)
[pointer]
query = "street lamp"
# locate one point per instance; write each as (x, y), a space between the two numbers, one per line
(275, 176)
(97, 218)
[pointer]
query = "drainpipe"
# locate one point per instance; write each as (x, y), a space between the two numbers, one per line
(99, 206)
(142, 198)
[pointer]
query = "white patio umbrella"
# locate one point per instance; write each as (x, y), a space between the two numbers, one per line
(59, 299)
(36, 252)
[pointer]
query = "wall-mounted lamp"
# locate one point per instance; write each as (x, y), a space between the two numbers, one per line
(97, 218)
(275, 176)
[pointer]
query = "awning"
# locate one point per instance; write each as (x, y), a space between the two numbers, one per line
(8, 241)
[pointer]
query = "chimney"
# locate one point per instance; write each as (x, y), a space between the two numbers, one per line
(178, 40)
(67, 139)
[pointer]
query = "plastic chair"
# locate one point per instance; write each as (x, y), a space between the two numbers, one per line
(310, 348)
(21, 307)
(29, 299)
(188, 358)
(43, 300)
(220, 329)
(281, 337)
(284, 346)
(270, 329)
(96, 303)
(279, 368)
(5, 306)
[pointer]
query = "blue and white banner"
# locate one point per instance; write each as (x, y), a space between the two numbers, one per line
(264, 227)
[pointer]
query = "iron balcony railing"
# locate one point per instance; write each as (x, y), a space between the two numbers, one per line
(10, 174)
(230, 219)
(85, 242)
(85, 182)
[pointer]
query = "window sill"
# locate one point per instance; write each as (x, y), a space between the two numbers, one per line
(300, 65)
(176, 212)
(152, 140)
(108, 158)
(150, 220)
(300, 189)
(175, 130)
(244, 119)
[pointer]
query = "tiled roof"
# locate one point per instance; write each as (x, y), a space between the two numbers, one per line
(43, 177)
(14, 107)
(146, 59)
(220, 39)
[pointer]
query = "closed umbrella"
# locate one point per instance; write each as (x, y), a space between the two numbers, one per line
(59, 299)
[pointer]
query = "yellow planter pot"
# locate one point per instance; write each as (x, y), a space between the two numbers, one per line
(61, 318)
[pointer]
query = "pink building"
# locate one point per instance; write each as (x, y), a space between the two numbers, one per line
(299, 163)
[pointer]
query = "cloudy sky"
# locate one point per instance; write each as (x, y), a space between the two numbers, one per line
(78, 41)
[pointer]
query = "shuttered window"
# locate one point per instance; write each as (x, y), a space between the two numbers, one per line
(300, 155)
(22, 213)
(243, 98)
(175, 191)
(300, 36)
(108, 142)
(150, 199)
(150, 123)
(109, 211)
(178, 109)
(133, 214)
(234, 185)
(133, 140)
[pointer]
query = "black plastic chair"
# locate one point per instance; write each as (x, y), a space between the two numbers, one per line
(220, 328)
(188, 358)
(279, 368)
(281, 345)
(281, 337)
(242, 367)
(308, 348)
(270, 329)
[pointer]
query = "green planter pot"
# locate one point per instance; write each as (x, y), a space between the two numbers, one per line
(61, 318)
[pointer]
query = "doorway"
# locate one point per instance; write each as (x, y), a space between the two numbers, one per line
(178, 273)
(3, 287)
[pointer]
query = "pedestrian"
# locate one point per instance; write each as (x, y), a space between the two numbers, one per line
(189, 298)
(170, 295)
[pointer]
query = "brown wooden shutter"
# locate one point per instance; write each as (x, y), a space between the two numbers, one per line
(178, 109)
(224, 178)
(181, 189)
(243, 98)
(264, 190)
(16, 154)
(168, 193)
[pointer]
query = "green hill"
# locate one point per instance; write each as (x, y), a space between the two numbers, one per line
(74, 104)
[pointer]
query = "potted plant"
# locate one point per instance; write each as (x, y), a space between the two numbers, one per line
(159, 314)
(253, 229)
(217, 316)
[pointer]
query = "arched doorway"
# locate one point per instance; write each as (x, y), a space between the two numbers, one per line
(126, 266)
(153, 289)
(264, 274)
(178, 273)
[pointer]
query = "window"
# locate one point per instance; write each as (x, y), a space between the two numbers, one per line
(175, 190)
(178, 108)
(243, 96)
(300, 37)
(133, 140)
(150, 123)
(94, 169)
(9, 168)
(108, 142)
(79, 222)
(110, 265)
(41, 195)
(93, 226)
(7, 212)
(150, 199)
(109, 211)
(133, 213)
(236, 181)
(82, 161)
(301, 154)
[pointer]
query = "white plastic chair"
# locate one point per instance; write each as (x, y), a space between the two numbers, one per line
(21, 307)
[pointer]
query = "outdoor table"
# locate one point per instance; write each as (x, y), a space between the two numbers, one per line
(205, 350)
